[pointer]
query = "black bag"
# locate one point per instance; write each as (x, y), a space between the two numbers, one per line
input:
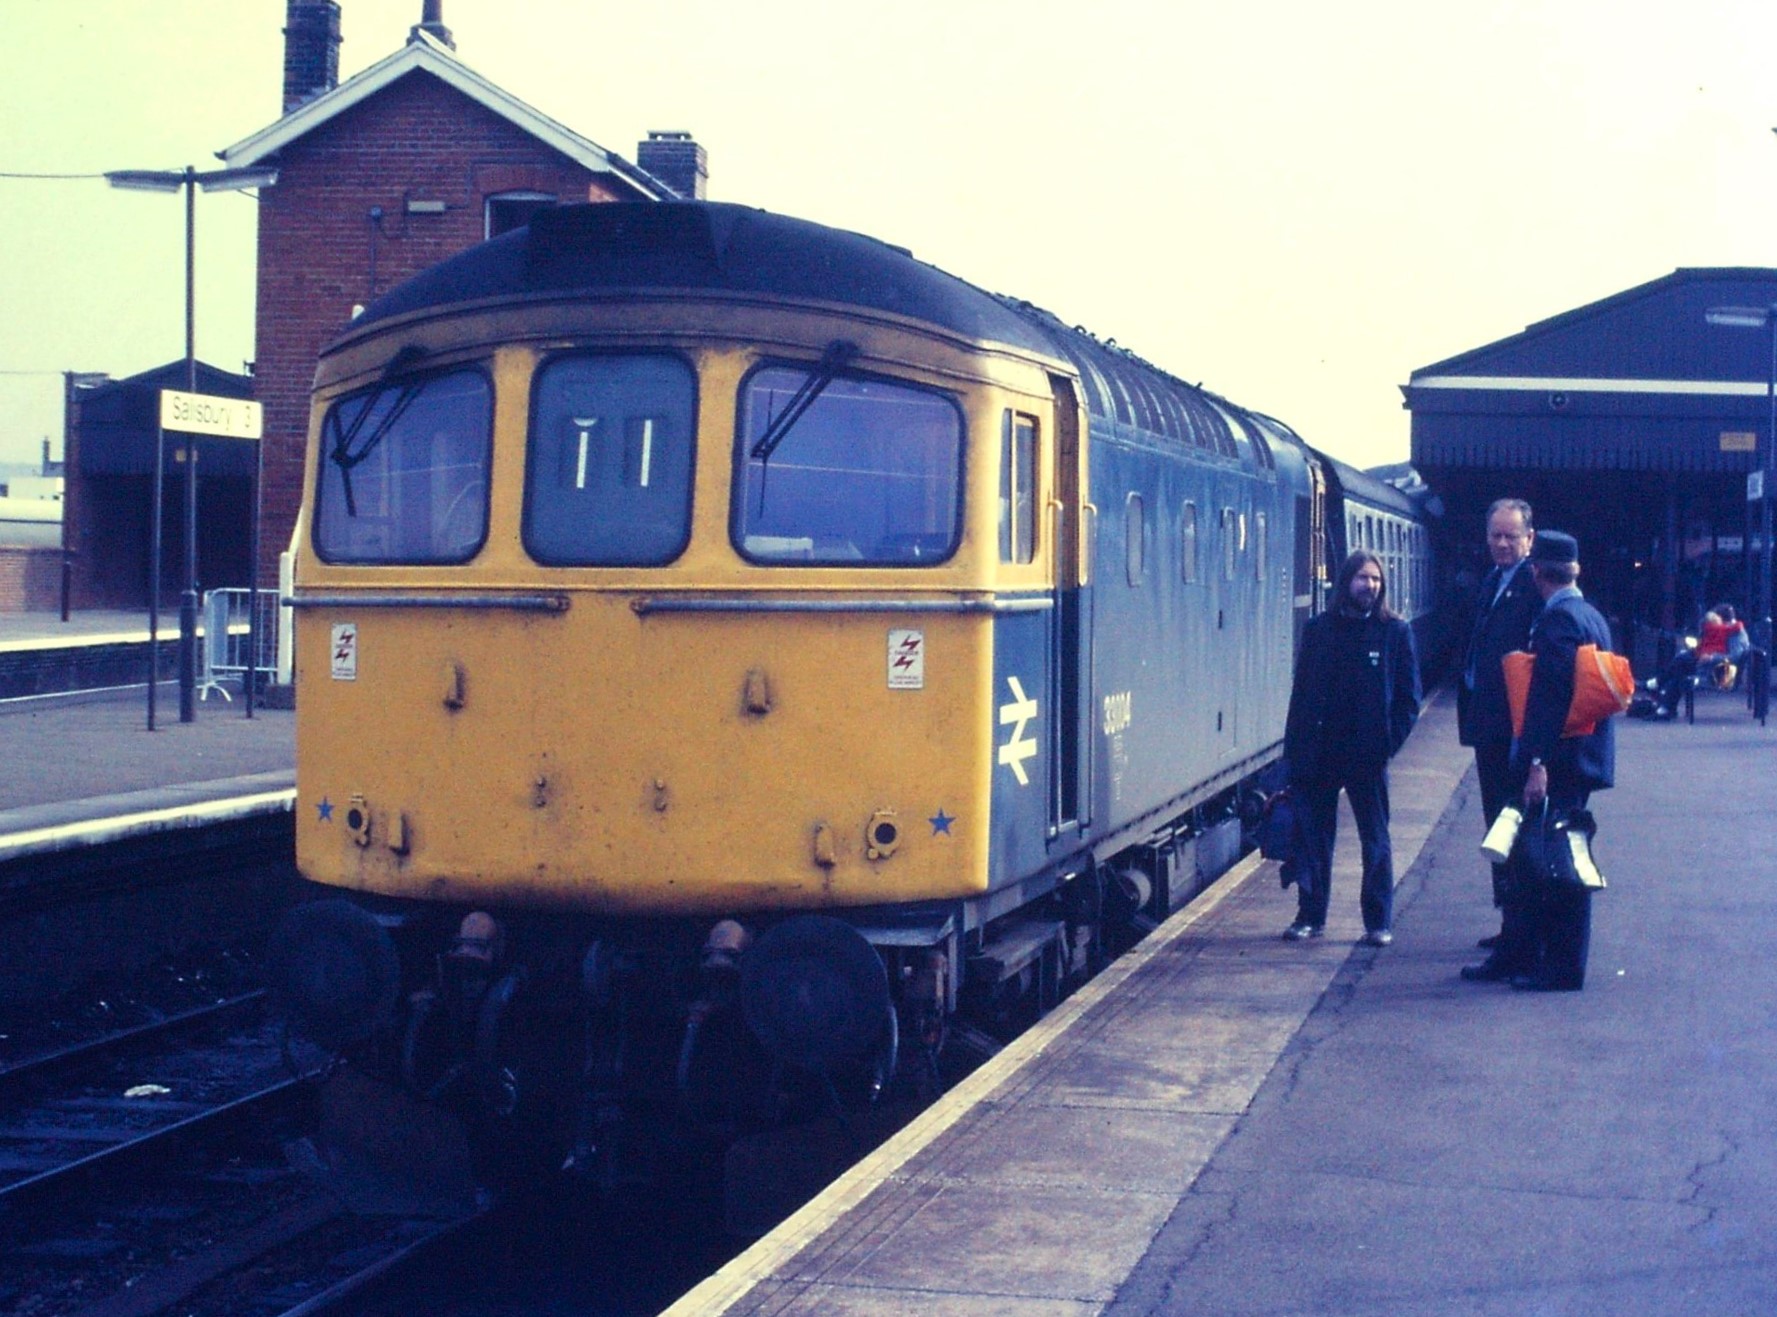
(1554, 849)
(1278, 828)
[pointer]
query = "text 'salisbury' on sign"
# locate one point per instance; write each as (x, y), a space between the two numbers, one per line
(201, 413)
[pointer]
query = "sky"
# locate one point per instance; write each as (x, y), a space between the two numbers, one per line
(1294, 203)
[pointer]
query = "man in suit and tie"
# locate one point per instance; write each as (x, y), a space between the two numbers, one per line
(1507, 605)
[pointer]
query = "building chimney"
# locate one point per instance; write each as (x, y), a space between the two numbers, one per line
(432, 24)
(311, 50)
(676, 160)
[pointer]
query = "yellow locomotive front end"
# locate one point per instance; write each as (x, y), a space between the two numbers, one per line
(654, 607)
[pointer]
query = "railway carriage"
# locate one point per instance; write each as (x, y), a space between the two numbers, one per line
(730, 649)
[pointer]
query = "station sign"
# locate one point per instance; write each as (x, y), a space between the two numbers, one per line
(1730, 543)
(203, 413)
(1739, 441)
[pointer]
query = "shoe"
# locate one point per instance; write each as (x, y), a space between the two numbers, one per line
(1301, 931)
(1377, 937)
(1488, 943)
(1488, 971)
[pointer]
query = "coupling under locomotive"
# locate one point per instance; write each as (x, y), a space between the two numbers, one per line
(729, 648)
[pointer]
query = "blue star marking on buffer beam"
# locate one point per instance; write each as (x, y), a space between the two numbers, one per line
(325, 810)
(941, 822)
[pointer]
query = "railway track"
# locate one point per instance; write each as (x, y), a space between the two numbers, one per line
(145, 1172)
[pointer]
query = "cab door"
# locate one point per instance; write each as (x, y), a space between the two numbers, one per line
(1070, 627)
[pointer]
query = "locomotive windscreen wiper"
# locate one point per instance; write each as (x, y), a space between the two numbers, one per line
(839, 354)
(340, 451)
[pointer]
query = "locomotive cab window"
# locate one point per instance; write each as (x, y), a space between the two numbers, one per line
(608, 472)
(838, 469)
(404, 472)
(1018, 488)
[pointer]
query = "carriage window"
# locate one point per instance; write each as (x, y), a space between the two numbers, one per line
(859, 471)
(1187, 539)
(1135, 533)
(608, 471)
(1018, 488)
(1259, 545)
(1228, 544)
(403, 472)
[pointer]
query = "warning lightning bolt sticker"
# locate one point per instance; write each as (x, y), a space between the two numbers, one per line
(1018, 746)
(906, 660)
(345, 651)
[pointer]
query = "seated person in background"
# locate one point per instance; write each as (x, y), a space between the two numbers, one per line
(1724, 641)
(1708, 657)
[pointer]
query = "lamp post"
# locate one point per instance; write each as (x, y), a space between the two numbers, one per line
(1760, 317)
(189, 180)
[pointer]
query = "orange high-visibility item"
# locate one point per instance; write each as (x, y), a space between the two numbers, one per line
(1602, 685)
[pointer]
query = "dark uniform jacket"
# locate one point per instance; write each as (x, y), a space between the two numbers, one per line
(1383, 728)
(1576, 764)
(1482, 715)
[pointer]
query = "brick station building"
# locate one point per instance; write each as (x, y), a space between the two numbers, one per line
(379, 177)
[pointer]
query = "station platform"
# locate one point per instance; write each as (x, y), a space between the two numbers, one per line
(1228, 1123)
(76, 762)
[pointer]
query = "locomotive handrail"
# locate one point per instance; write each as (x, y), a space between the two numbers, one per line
(644, 606)
(525, 603)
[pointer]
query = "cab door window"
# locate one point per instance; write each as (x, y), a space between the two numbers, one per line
(1018, 488)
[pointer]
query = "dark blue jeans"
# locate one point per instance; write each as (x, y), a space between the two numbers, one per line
(1368, 792)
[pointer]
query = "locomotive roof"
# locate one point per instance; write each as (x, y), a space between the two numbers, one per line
(719, 247)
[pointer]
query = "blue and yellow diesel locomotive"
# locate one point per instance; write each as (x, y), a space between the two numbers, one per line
(729, 648)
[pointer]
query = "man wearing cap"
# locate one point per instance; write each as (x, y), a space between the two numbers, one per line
(1507, 605)
(1551, 934)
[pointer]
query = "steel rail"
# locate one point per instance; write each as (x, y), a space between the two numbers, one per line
(125, 1040)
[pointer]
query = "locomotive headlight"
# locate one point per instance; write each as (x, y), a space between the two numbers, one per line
(882, 835)
(358, 820)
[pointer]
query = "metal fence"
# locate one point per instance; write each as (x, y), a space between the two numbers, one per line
(227, 636)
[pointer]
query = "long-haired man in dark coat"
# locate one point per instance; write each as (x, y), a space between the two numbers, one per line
(1507, 604)
(1353, 703)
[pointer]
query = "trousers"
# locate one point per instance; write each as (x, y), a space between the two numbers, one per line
(1367, 790)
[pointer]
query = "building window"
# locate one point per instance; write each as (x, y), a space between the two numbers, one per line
(505, 211)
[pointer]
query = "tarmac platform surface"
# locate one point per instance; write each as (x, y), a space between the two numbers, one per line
(73, 755)
(1228, 1123)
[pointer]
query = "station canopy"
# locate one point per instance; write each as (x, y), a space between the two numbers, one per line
(1637, 382)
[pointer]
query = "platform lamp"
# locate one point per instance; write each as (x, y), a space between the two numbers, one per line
(1765, 318)
(188, 179)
